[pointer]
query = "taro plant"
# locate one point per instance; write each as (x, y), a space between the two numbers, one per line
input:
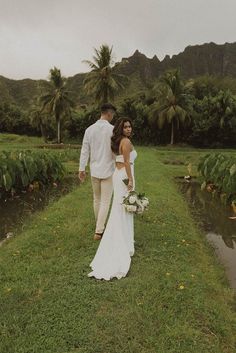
(219, 173)
(20, 168)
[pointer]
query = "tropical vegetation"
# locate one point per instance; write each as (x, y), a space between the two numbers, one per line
(18, 169)
(168, 108)
(103, 82)
(219, 173)
(57, 101)
(171, 103)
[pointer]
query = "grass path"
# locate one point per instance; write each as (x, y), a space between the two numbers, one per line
(175, 299)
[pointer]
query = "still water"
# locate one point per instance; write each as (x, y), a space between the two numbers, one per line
(15, 210)
(213, 217)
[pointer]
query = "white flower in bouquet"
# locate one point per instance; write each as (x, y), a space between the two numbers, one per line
(132, 199)
(135, 202)
(131, 208)
(140, 209)
(145, 202)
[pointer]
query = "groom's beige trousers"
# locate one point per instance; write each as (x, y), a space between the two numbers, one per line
(102, 192)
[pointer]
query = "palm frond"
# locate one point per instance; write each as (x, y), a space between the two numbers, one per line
(102, 81)
(170, 114)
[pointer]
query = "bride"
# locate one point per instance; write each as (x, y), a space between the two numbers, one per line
(113, 256)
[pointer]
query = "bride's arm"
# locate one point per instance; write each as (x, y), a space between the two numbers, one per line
(126, 149)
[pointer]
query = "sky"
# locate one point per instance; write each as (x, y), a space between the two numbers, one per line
(36, 35)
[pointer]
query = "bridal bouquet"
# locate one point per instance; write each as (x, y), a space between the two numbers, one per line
(135, 203)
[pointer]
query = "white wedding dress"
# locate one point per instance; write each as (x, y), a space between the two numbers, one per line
(113, 256)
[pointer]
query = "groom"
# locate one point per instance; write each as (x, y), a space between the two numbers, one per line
(96, 146)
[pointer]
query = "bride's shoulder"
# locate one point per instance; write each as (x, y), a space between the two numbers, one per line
(125, 141)
(125, 145)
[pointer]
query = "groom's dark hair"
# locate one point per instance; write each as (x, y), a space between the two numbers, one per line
(106, 107)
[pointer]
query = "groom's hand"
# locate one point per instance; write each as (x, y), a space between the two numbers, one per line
(82, 175)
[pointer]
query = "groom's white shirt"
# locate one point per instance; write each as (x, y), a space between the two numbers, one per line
(96, 146)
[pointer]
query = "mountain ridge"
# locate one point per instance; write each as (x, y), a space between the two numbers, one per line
(194, 60)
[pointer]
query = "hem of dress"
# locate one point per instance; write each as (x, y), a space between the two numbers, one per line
(117, 275)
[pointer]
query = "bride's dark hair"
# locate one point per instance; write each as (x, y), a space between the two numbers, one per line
(118, 133)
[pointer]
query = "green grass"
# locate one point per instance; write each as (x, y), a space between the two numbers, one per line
(49, 305)
(13, 141)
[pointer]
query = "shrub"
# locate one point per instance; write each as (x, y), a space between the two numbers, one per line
(220, 170)
(19, 169)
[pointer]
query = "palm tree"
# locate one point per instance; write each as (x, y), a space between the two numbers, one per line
(103, 82)
(39, 119)
(224, 105)
(171, 104)
(57, 101)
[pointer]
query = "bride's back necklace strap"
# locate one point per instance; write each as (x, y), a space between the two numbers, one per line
(131, 145)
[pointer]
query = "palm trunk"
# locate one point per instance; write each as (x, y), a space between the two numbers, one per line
(172, 132)
(105, 96)
(43, 132)
(58, 128)
(59, 131)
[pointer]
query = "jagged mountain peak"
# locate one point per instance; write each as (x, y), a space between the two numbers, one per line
(195, 60)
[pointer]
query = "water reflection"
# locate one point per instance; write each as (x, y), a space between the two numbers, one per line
(213, 216)
(15, 210)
